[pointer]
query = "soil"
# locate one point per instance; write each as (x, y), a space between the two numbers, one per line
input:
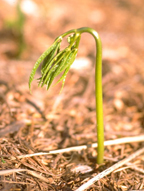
(46, 120)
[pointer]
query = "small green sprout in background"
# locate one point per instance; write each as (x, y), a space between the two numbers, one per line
(2, 160)
(56, 61)
(17, 26)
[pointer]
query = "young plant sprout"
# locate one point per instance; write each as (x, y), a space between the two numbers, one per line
(56, 61)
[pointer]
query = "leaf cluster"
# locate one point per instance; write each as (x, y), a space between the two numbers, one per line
(56, 61)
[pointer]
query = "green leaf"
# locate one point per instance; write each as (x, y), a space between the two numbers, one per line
(57, 70)
(51, 67)
(67, 66)
(62, 63)
(47, 52)
(70, 59)
(2, 160)
(49, 58)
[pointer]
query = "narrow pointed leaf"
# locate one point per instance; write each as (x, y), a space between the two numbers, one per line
(39, 61)
(52, 67)
(59, 68)
(68, 64)
(64, 77)
(69, 60)
(49, 58)
(61, 64)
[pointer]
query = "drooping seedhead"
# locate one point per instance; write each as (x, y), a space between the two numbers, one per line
(54, 61)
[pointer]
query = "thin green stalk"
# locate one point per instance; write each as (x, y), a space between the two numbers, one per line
(98, 92)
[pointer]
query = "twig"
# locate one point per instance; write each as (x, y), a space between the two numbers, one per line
(10, 171)
(134, 167)
(109, 170)
(33, 173)
(82, 147)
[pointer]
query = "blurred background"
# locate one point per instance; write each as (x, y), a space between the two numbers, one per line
(29, 27)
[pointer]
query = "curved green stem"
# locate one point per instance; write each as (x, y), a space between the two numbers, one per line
(98, 89)
(98, 93)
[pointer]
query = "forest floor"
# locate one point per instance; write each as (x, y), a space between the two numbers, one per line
(46, 121)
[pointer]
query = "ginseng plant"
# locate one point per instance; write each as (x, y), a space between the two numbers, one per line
(56, 61)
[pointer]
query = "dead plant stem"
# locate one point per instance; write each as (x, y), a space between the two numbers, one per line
(83, 147)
